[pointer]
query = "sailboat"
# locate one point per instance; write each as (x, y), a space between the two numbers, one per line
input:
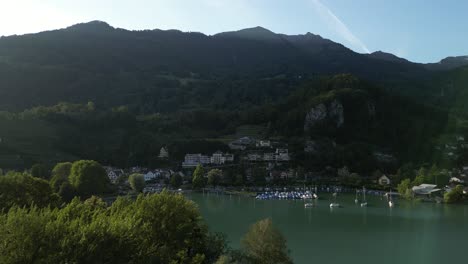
(334, 204)
(364, 201)
(356, 199)
(314, 195)
(390, 201)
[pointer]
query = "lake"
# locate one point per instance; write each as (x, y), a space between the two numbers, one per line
(411, 232)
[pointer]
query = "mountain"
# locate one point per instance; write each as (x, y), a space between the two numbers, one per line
(387, 57)
(448, 63)
(158, 70)
(98, 92)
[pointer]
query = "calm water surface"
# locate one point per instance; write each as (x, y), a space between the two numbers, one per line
(408, 233)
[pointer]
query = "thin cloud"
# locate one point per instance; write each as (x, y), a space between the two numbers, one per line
(333, 21)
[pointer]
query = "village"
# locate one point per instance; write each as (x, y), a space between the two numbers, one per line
(258, 164)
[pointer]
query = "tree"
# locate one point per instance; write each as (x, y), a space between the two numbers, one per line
(176, 180)
(19, 189)
(198, 179)
(404, 188)
(60, 174)
(214, 177)
(39, 171)
(264, 244)
(420, 177)
(137, 182)
(158, 228)
(455, 195)
(88, 177)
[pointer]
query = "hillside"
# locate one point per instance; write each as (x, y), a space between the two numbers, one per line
(156, 70)
(117, 96)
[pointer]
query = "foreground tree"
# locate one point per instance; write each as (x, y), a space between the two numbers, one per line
(198, 179)
(160, 228)
(137, 182)
(88, 177)
(18, 189)
(264, 244)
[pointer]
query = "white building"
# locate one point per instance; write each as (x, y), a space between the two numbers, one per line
(193, 160)
(150, 175)
(221, 158)
(384, 180)
(113, 174)
(263, 143)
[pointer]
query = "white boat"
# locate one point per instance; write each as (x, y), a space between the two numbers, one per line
(308, 205)
(334, 204)
(390, 201)
(364, 201)
(315, 196)
(356, 199)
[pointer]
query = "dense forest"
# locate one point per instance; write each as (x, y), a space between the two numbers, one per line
(92, 91)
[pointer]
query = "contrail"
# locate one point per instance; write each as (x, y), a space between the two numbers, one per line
(338, 25)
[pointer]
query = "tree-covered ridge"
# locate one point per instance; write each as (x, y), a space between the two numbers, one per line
(359, 117)
(163, 70)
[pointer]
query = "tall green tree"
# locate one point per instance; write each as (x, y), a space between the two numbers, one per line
(60, 174)
(198, 179)
(39, 170)
(421, 177)
(404, 188)
(264, 244)
(137, 182)
(215, 177)
(88, 177)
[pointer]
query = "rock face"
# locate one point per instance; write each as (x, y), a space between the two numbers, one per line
(333, 112)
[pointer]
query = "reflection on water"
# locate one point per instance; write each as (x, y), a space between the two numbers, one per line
(411, 232)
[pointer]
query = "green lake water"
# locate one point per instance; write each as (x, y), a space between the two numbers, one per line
(411, 232)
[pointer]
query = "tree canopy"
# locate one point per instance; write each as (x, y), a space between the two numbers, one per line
(88, 177)
(264, 244)
(198, 179)
(137, 182)
(161, 228)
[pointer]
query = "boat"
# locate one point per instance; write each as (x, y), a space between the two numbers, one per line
(308, 205)
(390, 201)
(334, 204)
(364, 201)
(356, 199)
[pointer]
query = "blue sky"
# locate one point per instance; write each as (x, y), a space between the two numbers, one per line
(422, 31)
